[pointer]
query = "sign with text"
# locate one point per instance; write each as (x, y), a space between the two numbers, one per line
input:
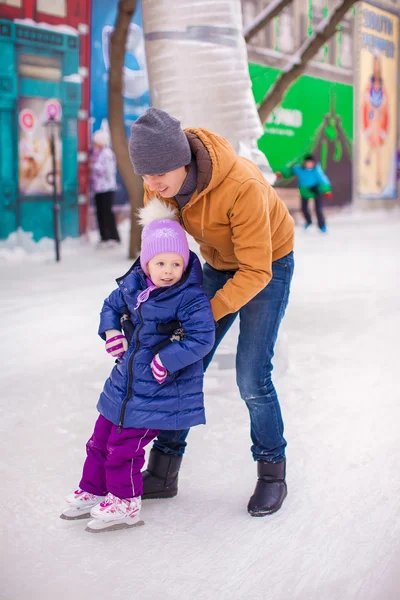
(377, 103)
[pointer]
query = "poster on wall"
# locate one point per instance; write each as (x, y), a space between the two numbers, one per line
(34, 155)
(315, 117)
(377, 103)
(136, 85)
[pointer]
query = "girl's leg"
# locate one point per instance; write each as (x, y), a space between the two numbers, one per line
(125, 460)
(94, 475)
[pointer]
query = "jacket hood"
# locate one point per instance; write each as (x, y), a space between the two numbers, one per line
(135, 279)
(215, 158)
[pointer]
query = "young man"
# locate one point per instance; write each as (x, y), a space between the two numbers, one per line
(246, 237)
(313, 183)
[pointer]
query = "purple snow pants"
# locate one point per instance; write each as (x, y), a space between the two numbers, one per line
(114, 460)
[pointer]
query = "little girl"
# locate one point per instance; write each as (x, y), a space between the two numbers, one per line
(156, 383)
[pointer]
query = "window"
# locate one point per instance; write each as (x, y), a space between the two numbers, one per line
(17, 3)
(344, 52)
(285, 41)
(250, 10)
(37, 66)
(57, 8)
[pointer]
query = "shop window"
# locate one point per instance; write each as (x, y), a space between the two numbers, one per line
(250, 10)
(285, 41)
(16, 3)
(344, 45)
(36, 66)
(57, 8)
(317, 11)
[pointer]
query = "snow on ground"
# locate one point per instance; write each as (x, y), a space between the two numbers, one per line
(337, 535)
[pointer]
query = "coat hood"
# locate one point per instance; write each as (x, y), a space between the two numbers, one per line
(215, 158)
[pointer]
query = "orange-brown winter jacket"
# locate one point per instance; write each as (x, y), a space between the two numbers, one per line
(237, 219)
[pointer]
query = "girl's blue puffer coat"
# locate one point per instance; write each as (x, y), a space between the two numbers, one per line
(131, 396)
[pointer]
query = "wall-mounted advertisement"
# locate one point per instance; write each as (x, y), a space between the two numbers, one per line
(377, 103)
(34, 155)
(136, 85)
(315, 117)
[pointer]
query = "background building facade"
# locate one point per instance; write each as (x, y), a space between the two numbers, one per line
(44, 74)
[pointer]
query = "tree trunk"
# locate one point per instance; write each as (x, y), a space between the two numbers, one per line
(132, 182)
(308, 50)
(272, 10)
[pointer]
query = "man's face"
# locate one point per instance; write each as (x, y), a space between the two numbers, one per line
(309, 164)
(166, 184)
(166, 269)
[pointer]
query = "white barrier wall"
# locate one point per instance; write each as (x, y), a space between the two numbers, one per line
(197, 68)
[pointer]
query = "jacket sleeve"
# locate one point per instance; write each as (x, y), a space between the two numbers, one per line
(198, 322)
(251, 237)
(323, 180)
(287, 172)
(113, 308)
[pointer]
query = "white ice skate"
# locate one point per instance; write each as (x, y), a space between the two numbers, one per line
(115, 513)
(79, 505)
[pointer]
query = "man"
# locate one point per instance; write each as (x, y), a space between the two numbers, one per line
(246, 237)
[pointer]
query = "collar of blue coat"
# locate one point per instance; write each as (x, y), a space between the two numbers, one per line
(134, 280)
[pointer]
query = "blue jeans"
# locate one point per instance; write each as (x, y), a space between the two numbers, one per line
(259, 324)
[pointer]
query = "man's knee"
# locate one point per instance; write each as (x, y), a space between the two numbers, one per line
(252, 388)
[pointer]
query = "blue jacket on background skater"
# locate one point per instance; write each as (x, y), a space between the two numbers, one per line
(311, 177)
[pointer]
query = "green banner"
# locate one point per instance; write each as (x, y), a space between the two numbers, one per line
(315, 117)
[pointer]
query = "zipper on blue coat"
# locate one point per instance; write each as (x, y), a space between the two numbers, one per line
(130, 372)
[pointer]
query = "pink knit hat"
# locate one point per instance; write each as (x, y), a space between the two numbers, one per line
(161, 233)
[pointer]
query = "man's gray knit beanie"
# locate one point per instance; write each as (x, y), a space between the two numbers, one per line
(158, 144)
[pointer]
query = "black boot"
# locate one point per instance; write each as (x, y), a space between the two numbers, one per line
(270, 490)
(160, 480)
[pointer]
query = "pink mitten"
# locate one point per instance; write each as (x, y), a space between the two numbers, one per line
(116, 343)
(159, 371)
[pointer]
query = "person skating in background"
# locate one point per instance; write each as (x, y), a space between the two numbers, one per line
(313, 183)
(157, 382)
(246, 236)
(104, 184)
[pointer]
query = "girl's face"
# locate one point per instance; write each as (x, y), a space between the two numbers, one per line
(166, 269)
(166, 184)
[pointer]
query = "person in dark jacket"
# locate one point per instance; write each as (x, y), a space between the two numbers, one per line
(157, 382)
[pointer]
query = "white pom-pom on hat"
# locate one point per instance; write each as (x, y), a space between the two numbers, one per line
(161, 233)
(156, 210)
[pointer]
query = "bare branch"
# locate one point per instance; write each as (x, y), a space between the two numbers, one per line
(133, 184)
(325, 30)
(272, 10)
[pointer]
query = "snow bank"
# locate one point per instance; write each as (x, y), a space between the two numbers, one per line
(58, 28)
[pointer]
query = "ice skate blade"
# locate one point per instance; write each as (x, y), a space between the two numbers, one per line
(83, 515)
(97, 526)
